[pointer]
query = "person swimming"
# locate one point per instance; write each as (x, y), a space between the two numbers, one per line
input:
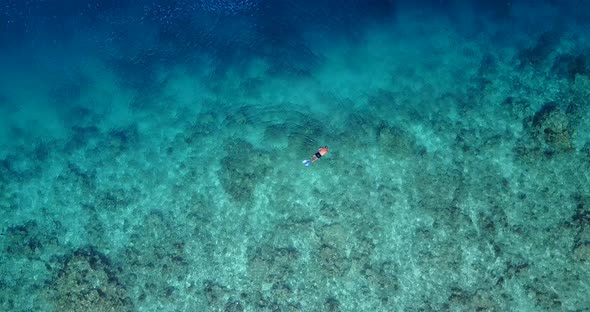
(321, 152)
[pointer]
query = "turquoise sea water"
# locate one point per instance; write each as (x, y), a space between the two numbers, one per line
(151, 156)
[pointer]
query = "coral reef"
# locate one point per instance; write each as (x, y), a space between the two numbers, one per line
(332, 260)
(19, 243)
(120, 140)
(437, 191)
(87, 281)
(549, 131)
(515, 108)
(25, 163)
(109, 143)
(383, 280)
(585, 152)
(581, 220)
(360, 131)
(203, 125)
(546, 299)
(272, 264)
(331, 254)
(276, 133)
(30, 240)
(156, 257)
(382, 101)
(582, 252)
(567, 66)
(115, 199)
(552, 125)
(279, 268)
(8, 200)
(214, 292)
(538, 53)
(396, 141)
(305, 134)
(332, 305)
(461, 300)
(242, 168)
(81, 136)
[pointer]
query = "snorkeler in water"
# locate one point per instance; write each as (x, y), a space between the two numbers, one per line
(321, 152)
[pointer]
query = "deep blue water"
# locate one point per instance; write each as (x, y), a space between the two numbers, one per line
(150, 155)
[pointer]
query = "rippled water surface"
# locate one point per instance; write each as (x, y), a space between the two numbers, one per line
(151, 155)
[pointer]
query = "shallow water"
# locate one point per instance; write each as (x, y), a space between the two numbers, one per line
(151, 156)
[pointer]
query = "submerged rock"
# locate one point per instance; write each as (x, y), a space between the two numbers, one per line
(397, 141)
(242, 169)
(569, 65)
(586, 152)
(87, 281)
(536, 54)
(29, 240)
(551, 125)
(582, 252)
